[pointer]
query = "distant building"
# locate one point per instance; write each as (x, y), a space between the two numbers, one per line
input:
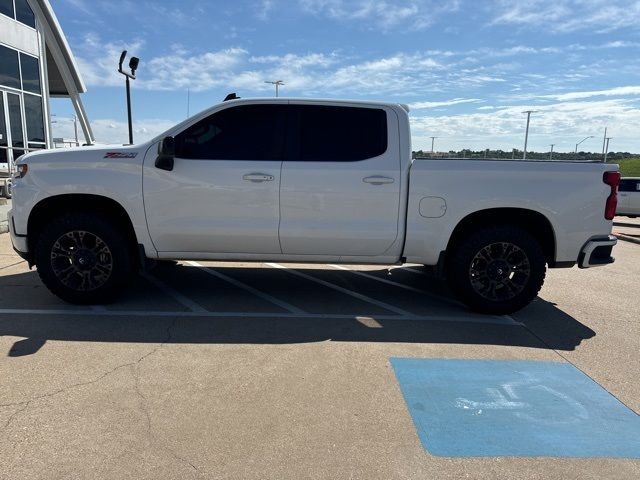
(36, 63)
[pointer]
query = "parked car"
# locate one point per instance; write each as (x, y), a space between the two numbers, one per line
(629, 193)
(305, 180)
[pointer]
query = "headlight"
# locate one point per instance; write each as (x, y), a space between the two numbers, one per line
(21, 170)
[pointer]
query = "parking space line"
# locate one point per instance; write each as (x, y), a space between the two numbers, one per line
(399, 285)
(13, 264)
(489, 320)
(346, 291)
(404, 268)
(244, 286)
(180, 298)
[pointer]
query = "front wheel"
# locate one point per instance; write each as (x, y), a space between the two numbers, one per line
(84, 259)
(497, 270)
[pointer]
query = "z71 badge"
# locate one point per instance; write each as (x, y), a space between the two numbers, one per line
(120, 155)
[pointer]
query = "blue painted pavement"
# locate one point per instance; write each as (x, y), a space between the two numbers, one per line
(480, 408)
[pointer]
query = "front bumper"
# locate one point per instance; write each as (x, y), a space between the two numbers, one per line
(597, 252)
(19, 242)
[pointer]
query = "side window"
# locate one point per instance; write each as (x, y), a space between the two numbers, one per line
(245, 132)
(342, 134)
(627, 185)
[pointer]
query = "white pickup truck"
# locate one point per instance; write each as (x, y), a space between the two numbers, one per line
(307, 181)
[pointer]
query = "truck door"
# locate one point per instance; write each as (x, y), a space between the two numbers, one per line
(340, 188)
(222, 194)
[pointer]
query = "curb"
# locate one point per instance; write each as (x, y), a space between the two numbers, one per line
(620, 236)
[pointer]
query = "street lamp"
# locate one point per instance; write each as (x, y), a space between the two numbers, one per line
(586, 138)
(133, 65)
(526, 135)
(277, 83)
(551, 152)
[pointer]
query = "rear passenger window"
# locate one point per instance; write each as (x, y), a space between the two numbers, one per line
(628, 186)
(245, 132)
(342, 134)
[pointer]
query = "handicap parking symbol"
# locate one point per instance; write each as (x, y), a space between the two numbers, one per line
(467, 408)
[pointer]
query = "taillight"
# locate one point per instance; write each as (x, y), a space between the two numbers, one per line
(613, 180)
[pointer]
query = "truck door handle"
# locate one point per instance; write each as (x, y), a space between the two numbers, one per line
(258, 177)
(378, 180)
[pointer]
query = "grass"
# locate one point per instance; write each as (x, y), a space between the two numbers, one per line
(629, 167)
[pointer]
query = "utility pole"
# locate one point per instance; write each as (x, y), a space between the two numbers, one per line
(604, 141)
(75, 129)
(526, 135)
(551, 153)
(606, 149)
(433, 141)
(277, 83)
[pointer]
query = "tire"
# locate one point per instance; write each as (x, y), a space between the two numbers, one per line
(497, 270)
(84, 259)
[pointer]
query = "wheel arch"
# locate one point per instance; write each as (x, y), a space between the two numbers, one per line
(57, 205)
(535, 223)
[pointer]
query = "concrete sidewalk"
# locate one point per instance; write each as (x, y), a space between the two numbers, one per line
(5, 206)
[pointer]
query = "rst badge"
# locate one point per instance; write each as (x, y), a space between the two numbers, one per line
(120, 155)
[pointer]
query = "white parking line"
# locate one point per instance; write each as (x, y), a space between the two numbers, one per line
(488, 319)
(399, 285)
(244, 286)
(346, 291)
(180, 298)
(408, 269)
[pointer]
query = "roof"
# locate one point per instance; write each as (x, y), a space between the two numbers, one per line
(60, 60)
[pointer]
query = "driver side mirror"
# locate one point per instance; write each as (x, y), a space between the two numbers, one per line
(166, 154)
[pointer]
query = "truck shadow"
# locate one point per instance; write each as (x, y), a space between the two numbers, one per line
(543, 325)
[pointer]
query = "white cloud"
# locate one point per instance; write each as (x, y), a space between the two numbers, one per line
(611, 92)
(563, 16)
(382, 14)
(109, 131)
(445, 103)
(562, 123)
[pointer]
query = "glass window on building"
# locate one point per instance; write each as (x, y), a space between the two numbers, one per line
(15, 120)
(34, 120)
(6, 8)
(9, 68)
(24, 14)
(30, 74)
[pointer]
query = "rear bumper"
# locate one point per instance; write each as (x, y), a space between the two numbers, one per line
(597, 252)
(19, 242)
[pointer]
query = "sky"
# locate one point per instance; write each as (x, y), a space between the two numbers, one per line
(468, 69)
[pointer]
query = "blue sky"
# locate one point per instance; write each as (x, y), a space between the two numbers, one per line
(467, 68)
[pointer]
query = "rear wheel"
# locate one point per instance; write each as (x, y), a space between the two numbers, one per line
(497, 270)
(84, 259)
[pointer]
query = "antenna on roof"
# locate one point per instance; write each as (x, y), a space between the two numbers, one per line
(231, 96)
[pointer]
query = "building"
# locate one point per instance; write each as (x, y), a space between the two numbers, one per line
(36, 64)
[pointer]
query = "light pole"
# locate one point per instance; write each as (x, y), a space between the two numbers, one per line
(586, 138)
(526, 135)
(433, 141)
(551, 152)
(277, 83)
(606, 148)
(133, 65)
(604, 140)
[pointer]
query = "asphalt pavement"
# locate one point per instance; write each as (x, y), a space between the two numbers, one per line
(285, 371)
